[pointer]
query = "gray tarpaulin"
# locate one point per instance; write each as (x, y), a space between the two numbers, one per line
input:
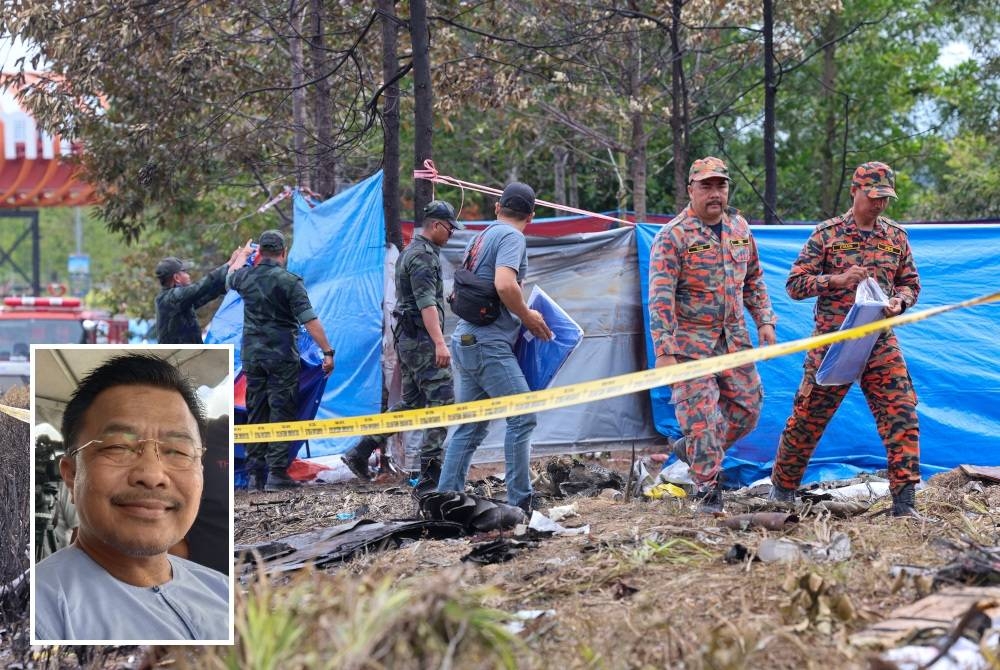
(595, 278)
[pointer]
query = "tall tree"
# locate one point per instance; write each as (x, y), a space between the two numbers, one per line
(423, 102)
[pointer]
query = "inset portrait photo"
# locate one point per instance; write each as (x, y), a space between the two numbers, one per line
(132, 536)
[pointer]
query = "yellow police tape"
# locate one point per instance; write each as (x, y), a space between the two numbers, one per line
(564, 396)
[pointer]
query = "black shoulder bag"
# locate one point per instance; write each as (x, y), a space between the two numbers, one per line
(473, 298)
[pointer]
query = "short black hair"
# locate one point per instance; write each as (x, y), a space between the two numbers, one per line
(129, 370)
(515, 214)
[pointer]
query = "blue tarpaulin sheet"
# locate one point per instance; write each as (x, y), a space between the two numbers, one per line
(337, 248)
(951, 358)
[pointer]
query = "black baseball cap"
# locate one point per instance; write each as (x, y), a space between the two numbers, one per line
(272, 240)
(443, 211)
(170, 266)
(518, 197)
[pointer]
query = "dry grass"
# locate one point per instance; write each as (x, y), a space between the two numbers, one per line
(648, 588)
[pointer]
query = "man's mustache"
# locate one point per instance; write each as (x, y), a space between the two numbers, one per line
(140, 498)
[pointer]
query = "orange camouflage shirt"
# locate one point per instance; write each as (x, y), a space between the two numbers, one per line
(699, 286)
(837, 244)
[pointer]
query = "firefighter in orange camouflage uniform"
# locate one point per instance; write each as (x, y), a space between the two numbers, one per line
(840, 253)
(703, 272)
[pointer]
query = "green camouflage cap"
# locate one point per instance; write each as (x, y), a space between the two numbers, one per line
(877, 180)
(707, 168)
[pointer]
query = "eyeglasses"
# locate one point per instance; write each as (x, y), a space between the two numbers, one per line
(124, 450)
(447, 226)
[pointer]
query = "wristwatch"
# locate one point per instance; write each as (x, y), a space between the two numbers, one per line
(328, 353)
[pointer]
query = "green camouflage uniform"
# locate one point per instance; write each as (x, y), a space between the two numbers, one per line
(419, 285)
(275, 303)
(176, 320)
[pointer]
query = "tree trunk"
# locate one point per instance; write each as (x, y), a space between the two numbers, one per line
(561, 154)
(678, 108)
(390, 126)
(298, 96)
(637, 168)
(831, 171)
(637, 140)
(770, 93)
(423, 120)
(325, 170)
(574, 182)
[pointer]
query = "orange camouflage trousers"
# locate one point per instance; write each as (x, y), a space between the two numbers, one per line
(713, 413)
(886, 385)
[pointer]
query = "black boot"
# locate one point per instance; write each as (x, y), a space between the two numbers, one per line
(779, 494)
(356, 458)
(279, 480)
(430, 473)
(710, 500)
(256, 475)
(679, 449)
(904, 501)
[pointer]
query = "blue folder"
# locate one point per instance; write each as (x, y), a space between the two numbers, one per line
(540, 360)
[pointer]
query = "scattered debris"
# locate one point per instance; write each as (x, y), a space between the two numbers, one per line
(563, 512)
(949, 614)
(569, 476)
(784, 549)
(986, 473)
(972, 564)
(499, 550)
(472, 512)
(768, 520)
(338, 543)
(542, 524)
(526, 620)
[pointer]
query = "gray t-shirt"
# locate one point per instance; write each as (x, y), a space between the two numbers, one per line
(77, 599)
(502, 246)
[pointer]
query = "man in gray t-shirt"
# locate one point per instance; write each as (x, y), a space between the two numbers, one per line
(484, 355)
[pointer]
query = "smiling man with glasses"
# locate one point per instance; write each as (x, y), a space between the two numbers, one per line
(133, 431)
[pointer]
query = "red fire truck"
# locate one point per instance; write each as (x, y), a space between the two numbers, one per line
(27, 320)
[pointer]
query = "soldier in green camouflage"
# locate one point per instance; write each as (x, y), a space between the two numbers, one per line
(275, 303)
(424, 357)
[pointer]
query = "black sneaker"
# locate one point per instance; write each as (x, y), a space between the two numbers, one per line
(779, 494)
(710, 500)
(679, 448)
(356, 460)
(280, 481)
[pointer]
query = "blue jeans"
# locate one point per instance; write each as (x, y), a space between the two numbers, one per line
(489, 370)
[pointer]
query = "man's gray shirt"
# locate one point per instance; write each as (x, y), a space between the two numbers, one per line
(503, 246)
(77, 599)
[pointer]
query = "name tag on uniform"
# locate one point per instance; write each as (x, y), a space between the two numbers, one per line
(846, 246)
(888, 247)
(740, 242)
(698, 248)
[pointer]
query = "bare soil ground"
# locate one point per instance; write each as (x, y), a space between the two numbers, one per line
(647, 588)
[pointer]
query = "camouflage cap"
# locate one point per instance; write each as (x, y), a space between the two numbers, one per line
(877, 180)
(443, 211)
(272, 240)
(707, 168)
